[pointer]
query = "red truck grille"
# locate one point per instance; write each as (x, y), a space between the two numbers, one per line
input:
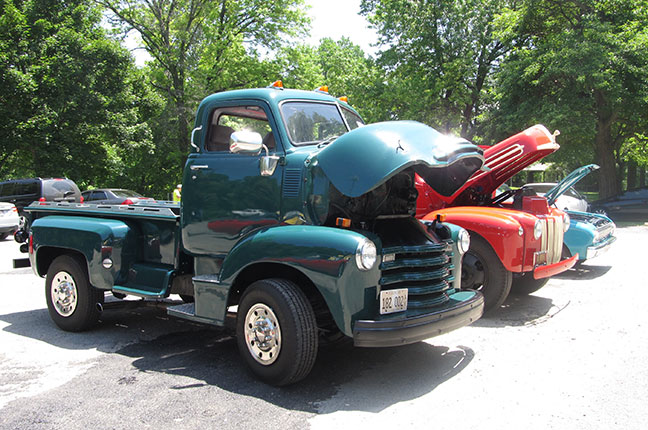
(552, 238)
(425, 270)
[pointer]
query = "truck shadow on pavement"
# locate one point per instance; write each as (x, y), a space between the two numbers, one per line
(521, 311)
(584, 272)
(378, 377)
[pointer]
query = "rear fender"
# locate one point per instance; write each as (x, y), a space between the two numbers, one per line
(94, 238)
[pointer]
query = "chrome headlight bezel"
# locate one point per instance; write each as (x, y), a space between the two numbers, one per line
(366, 255)
(538, 227)
(463, 241)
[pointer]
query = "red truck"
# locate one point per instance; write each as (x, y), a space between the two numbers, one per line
(516, 237)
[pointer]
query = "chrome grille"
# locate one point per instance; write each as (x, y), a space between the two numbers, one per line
(425, 270)
(552, 238)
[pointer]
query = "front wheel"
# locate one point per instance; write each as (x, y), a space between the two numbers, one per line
(73, 304)
(276, 331)
(482, 270)
(526, 284)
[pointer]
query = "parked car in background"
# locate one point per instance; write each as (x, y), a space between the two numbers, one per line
(631, 204)
(22, 192)
(589, 234)
(113, 196)
(9, 220)
(569, 200)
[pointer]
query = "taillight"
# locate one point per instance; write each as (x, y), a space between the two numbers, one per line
(42, 199)
(81, 199)
(31, 243)
(14, 209)
(127, 202)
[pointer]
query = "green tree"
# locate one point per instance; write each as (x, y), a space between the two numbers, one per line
(340, 65)
(201, 46)
(69, 102)
(582, 67)
(439, 56)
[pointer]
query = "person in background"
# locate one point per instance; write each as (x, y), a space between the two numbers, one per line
(177, 193)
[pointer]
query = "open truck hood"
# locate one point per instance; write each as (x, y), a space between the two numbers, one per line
(568, 181)
(511, 156)
(364, 158)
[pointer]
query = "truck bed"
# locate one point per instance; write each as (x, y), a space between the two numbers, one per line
(158, 210)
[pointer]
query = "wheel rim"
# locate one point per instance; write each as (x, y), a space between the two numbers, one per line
(262, 334)
(64, 294)
(472, 272)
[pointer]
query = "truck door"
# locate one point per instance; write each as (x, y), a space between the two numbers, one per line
(224, 195)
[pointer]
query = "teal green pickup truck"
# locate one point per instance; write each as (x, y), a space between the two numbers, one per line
(296, 218)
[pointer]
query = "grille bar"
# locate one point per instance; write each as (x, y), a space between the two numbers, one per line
(414, 276)
(425, 270)
(415, 262)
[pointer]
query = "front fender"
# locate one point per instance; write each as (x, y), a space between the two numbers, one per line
(94, 238)
(499, 228)
(579, 237)
(323, 254)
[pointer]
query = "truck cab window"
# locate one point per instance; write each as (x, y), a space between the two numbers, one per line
(226, 121)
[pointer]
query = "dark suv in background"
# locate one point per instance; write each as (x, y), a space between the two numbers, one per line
(22, 192)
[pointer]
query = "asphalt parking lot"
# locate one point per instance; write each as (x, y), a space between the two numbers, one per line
(571, 356)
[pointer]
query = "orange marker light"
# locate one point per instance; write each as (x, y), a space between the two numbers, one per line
(322, 89)
(343, 222)
(441, 217)
(344, 99)
(276, 84)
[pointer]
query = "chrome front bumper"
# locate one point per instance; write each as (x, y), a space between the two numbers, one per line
(594, 251)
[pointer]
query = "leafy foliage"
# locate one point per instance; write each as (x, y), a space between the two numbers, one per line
(70, 98)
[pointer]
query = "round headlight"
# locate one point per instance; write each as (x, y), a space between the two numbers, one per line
(566, 221)
(366, 254)
(463, 242)
(537, 229)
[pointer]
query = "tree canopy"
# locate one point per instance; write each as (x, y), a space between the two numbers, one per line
(73, 103)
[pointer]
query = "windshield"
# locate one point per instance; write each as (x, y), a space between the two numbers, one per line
(352, 119)
(309, 122)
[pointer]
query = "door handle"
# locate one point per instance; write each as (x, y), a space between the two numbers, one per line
(198, 166)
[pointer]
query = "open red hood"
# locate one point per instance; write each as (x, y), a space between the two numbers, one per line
(504, 160)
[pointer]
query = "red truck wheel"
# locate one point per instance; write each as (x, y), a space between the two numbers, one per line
(482, 270)
(525, 284)
(276, 331)
(73, 304)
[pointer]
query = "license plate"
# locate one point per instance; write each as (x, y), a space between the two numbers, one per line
(393, 301)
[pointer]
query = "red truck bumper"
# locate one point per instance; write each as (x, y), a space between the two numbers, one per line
(548, 270)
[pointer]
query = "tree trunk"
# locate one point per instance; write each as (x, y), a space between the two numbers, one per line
(632, 174)
(604, 148)
(642, 177)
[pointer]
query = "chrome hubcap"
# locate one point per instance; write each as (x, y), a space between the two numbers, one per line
(262, 334)
(64, 294)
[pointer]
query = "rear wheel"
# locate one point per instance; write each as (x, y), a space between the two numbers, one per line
(73, 304)
(276, 331)
(483, 271)
(526, 284)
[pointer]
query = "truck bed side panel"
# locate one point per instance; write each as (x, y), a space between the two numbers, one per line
(95, 238)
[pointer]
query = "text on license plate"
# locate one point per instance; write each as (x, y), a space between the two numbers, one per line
(393, 301)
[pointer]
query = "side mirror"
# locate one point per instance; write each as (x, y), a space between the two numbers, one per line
(246, 142)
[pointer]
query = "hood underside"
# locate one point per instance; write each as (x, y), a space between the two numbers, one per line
(568, 182)
(366, 157)
(511, 156)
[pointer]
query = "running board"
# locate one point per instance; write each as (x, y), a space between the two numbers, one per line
(188, 311)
